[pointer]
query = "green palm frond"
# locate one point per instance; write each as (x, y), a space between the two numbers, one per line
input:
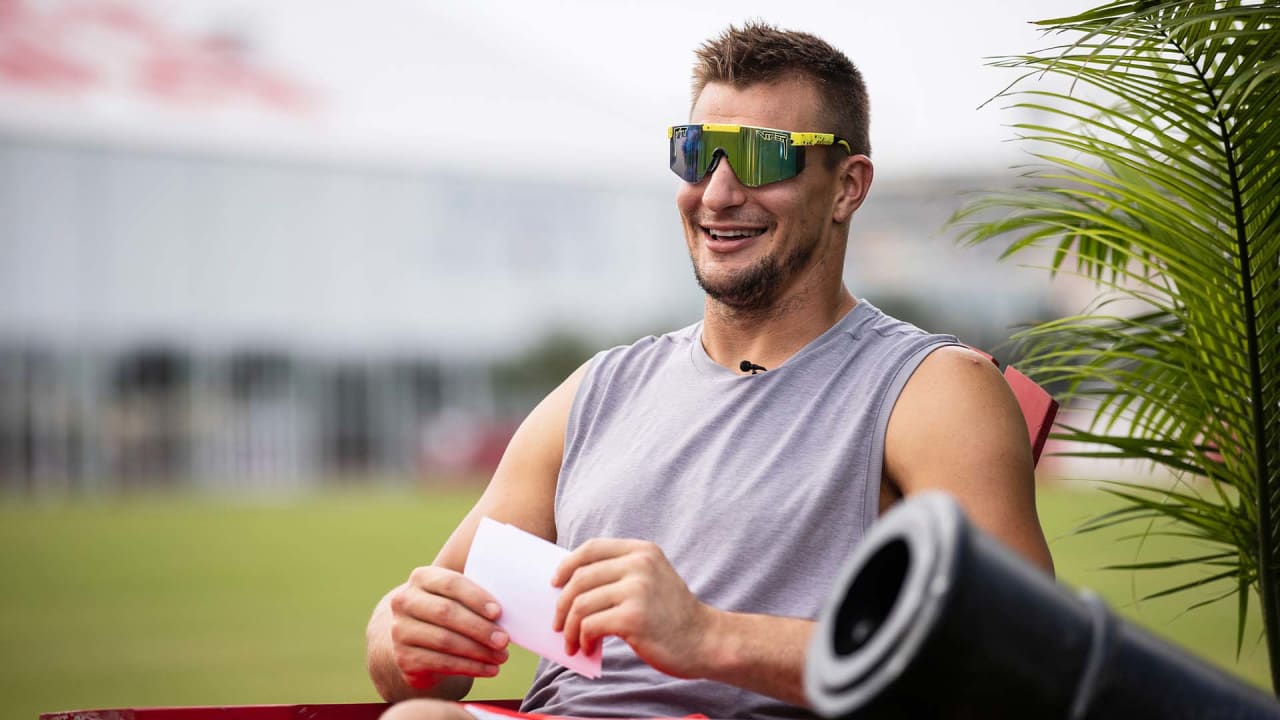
(1156, 174)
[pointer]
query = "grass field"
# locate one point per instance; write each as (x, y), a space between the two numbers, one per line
(174, 601)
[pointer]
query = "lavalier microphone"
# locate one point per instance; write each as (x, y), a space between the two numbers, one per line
(748, 366)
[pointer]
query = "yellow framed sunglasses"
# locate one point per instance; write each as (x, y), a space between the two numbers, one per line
(758, 156)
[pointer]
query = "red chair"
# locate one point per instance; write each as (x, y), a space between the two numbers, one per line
(1038, 409)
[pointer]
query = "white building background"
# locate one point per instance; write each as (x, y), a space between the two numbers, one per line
(197, 287)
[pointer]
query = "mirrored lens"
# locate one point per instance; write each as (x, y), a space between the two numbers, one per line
(686, 147)
(758, 156)
(766, 156)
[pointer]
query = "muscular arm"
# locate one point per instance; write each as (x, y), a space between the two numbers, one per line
(431, 635)
(957, 427)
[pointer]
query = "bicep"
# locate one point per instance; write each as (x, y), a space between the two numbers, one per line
(957, 428)
(522, 490)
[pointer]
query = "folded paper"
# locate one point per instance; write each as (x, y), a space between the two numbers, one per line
(516, 568)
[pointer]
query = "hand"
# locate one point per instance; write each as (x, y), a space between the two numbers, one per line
(628, 588)
(442, 623)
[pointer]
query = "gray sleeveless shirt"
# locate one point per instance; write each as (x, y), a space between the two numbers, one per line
(756, 487)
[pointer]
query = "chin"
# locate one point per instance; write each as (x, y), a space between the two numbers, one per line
(750, 287)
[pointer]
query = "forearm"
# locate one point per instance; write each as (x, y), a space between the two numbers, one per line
(761, 653)
(385, 674)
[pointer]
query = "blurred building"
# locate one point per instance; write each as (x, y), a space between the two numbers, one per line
(234, 322)
(233, 318)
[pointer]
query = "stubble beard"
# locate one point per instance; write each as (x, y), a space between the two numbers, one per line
(755, 289)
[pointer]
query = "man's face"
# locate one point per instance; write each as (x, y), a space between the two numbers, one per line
(751, 245)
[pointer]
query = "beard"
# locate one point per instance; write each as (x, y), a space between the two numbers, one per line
(756, 288)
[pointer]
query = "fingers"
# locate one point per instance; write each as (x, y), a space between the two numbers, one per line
(585, 579)
(443, 623)
(422, 667)
(455, 585)
(599, 576)
(613, 620)
(433, 630)
(593, 551)
(584, 606)
(420, 607)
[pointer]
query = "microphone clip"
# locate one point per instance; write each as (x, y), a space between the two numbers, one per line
(748, 366)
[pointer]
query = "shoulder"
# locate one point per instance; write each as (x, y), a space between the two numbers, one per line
(645, 351)
(890, 355)
(957, 428)
(612, 374)
(885, 340)
(549, 419)
(955, 401)
(957, 374)
(522, 489)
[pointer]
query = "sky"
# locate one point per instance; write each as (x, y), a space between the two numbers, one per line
(571, 89)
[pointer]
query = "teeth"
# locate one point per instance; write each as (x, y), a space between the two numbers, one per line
(730, 234)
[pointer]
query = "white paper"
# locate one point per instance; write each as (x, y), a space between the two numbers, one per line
(516, 568)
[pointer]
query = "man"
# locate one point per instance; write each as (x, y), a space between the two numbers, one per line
(708, 501)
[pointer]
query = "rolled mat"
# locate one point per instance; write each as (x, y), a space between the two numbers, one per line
(932, 618)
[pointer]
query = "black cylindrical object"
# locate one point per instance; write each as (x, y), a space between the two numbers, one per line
(930, 617)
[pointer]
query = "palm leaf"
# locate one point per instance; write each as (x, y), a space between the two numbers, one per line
(1157, 176)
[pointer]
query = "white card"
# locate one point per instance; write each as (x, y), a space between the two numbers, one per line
(516, 568)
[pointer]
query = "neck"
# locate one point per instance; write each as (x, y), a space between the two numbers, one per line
(770, 336)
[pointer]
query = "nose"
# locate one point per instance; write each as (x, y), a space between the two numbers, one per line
(723, 189)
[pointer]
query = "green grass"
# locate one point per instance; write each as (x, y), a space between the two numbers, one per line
(1080, 559)
(172, 601)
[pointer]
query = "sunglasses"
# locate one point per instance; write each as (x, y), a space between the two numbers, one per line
(758, 156)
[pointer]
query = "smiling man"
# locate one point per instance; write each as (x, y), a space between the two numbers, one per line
(711, 481)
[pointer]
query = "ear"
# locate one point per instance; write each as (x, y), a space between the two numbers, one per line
(853, 182)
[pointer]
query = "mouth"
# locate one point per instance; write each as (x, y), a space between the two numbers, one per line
(724, 239)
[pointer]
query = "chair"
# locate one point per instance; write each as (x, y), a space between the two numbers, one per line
(1038, 409)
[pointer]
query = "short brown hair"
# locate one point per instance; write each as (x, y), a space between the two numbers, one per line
(761, 53)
